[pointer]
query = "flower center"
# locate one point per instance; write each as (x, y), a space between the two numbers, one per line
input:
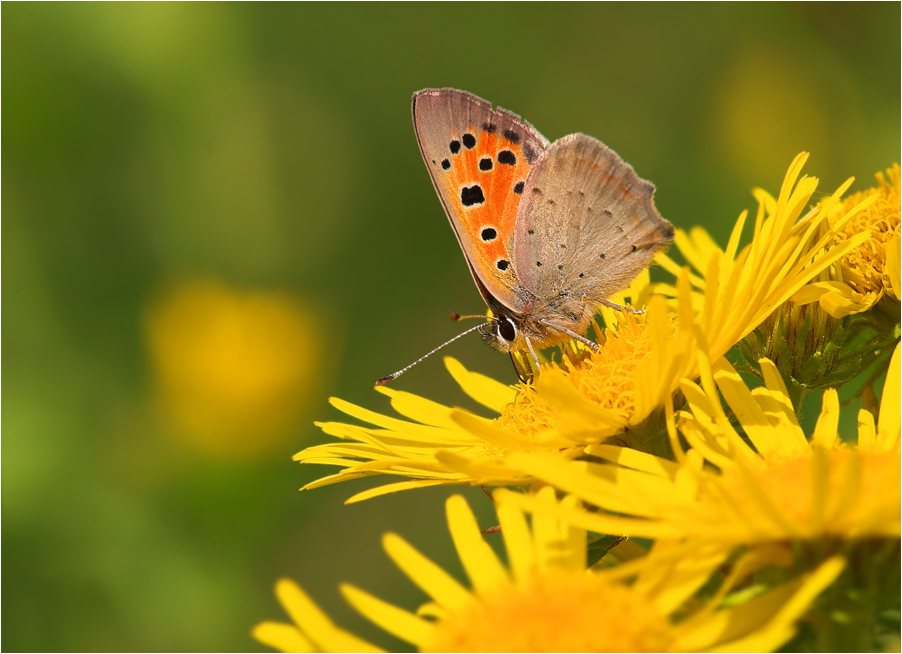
(604, 378)
(565, 612)
(864, 268)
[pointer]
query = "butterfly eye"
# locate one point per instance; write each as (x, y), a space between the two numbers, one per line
(506, 329)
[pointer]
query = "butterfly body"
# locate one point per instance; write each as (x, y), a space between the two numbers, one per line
(549, 230)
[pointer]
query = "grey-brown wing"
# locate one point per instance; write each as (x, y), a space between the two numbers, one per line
(587, 224)
(479, 159)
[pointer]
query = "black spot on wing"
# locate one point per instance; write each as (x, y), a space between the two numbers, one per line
(507, 158)
(511, 136)
(469, 141)
(454, 146)
(491, 128)
(518, 188)
(486, 164)
(446, 164)
(502, 264)
(471, 195)
(488, 234)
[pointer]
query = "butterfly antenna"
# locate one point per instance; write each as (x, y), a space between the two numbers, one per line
(457, 316)
(395, 375)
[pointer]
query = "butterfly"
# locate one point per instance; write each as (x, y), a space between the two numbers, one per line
(549, 230)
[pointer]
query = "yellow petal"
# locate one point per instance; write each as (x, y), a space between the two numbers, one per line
(867, 431)
(676, 269)
(434, 581)
(893, 256)
(774, 400)
(485, 390)
(825, 431)
(518, 541)
(672, 585)
(630, 458)
(494, 434)
(735, 235)
(611, 487)
(596, 522)
(704, 244)
(768, 506)
(836, 298)
(384, 421)
(314, 624)
(432, 610)
(687, 248)
(559, 546)
(385, 489)
(480, 562)
(763, 623)
(888, 420)
(418, 409)
(747, 410)
(781, 626)
(398, 622)
(485, 470)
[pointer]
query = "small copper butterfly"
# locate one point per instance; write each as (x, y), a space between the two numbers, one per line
(549, 230)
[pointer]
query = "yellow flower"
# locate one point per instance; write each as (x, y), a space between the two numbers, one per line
(774, 487)
(232, 367)
(869, 272)
(545, 600)
(618, 392)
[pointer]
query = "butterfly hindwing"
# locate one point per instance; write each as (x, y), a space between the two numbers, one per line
(479, 159)
(587, 224)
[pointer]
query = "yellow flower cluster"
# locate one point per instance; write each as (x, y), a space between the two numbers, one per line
(868, 273)
(757, 519)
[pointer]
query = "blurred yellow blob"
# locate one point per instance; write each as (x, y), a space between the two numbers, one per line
(233, 368)
(764, 111)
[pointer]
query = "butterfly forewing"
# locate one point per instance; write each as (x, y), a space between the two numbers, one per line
(479, 160)
(586, 225)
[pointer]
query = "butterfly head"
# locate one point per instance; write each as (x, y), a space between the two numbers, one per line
(501, 333)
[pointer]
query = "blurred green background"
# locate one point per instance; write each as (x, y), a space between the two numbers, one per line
(216, 217)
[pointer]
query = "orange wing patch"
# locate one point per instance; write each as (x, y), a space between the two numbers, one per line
(484, 176)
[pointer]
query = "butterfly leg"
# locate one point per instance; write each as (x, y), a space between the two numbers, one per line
(572, 334)
(535, 359)
(618, 307)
